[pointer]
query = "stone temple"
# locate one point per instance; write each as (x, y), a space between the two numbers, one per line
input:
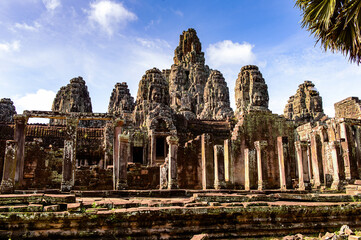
(180, 132)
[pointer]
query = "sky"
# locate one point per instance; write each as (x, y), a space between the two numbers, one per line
(45, 43)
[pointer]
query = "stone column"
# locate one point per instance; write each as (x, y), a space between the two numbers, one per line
(172, 162)
(315, 161)
(8, 178)
(153, 149)
(345, 151)
(122, 162)
(207, 162)
(260, 145)
(283, 161)
(246, 170)
(336, 177)
(250, 167)
(303, 176)
(19, 137)
(227, 162)
(108, 142)
(218, 167)
(69, 156)
(117, 124)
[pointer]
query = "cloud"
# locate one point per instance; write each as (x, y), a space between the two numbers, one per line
(24, 26)
(178, 12)
(41, 100)
(10, 47)
(230, 53)
(51, 5)
(149, 43)
(334, 77)
(109, 15)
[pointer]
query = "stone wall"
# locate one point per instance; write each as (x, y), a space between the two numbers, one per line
(348, 108)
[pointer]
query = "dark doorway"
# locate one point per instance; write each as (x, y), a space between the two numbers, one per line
(138, 155)
(160, 148)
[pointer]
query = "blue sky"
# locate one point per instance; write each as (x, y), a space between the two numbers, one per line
(45, 43)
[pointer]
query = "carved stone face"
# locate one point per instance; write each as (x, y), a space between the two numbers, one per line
(156, 95)
(221, 94)
(177, 75)
(317, 105)
(256, 77)
(258, 99)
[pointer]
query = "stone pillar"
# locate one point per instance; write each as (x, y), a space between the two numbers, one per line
(260, 147)
(336, 171)
(207, 162)
(108, 142)
(315, 162)
(116, 154)
(69, 156)
(283, 161)
(8, 178)
(246, 170)
(153, 149)
(250, 167)
(121, 162)
(345, 151)
(219, 167)
(163, 174)
(227, 162)
(172, 162)
(19, 137)
(302, 164)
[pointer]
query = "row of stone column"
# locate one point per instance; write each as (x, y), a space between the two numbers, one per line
(13, 169)
(308, 164)
(215, 164)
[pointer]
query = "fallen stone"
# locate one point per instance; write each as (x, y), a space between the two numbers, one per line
(330, 236)
(354, 237)
(58, 199)
(293, 237)
(74, 207)
(51, 208)
(345, 230)
(200, 237)
(35, 208)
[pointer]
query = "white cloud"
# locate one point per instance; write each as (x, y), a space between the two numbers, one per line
(41, 100)
(51, 5)
(24, 26)
(10, 47)
(230, 53)
(179, 13)
(149, 43)
(334, 77)
(109, 15)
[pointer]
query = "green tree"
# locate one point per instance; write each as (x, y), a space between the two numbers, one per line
(335, 24)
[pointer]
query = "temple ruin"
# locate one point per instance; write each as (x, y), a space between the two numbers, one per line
(181, 133)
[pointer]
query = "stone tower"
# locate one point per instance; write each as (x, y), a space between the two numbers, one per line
(188, 76)
(153, 101)
(7, 110)
(251, 91)
(121, 100)
(74, 97)
(305, 105)
(216, 98)
(189, 50)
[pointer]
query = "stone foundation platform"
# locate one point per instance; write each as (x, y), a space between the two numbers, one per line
(174, 214)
